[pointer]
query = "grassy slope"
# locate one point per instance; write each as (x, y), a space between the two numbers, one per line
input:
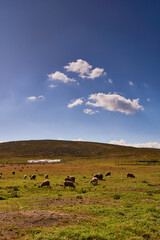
(20, 151)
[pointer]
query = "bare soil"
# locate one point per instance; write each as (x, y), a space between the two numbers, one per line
(13, 224)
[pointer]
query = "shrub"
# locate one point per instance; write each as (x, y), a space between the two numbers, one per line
(116, 196)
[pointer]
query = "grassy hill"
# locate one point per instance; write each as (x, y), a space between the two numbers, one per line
(21, 151)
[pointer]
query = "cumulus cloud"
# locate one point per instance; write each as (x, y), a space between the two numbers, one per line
(89, 111)
(114, 103)
(138, 145)
(84, 69)
(130, 83)
(34, 98)
(110, 80)
(97, 72)
(58, 76)
(74, 103)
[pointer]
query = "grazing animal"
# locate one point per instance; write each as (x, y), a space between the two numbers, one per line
(45, 183)
(0, 173)
(46, 177)
(99, 176)
(108, 174)
(130, 175)
(73, 179)
(13, 173)
(33, 177)
(0, 176)
(25, 176)
(69, 184)
(68, 178)
(94, 181)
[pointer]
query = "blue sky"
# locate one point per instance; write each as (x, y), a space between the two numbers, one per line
(86, 70)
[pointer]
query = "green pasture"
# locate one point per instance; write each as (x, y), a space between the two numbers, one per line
(117, 208)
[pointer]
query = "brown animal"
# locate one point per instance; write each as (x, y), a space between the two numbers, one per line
(0, 173)
(45, 183)
(46, 177)
(130, 175)
(94, 181)
(33, 177)
(108, 174)
(25, 176)
(69, 184)
(99, 176)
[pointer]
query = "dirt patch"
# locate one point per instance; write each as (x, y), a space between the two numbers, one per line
(72, 201)
(13, 225)
(36, 218)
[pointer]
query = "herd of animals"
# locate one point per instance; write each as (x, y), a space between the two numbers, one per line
(69, 181)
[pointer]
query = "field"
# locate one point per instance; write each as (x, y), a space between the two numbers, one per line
(116, 209)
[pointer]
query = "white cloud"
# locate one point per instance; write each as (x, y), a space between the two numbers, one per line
(34, 98)
(52, 85)
(78, 139)
(60, 138)
(110, 80)
(138, 145)
(89, 111)
(120, 142)
(31, 98)
(76, 102)
(148, 99)
(130, 83)
(80, 66)
(115, 103)
(84, 69)
(60, 77)
(97, 72)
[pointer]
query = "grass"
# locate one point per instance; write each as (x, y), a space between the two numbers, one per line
(117, 208)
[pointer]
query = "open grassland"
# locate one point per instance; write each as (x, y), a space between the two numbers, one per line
(116, 209)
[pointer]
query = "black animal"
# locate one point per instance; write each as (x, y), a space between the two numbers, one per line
(13, 173)
(68, 178)
(73, 179)
(99, 176)
(130, 175)
(69, 184)
(33, 177)
(108, 174)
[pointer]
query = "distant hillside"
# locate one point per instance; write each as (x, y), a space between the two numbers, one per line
(51, 149)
